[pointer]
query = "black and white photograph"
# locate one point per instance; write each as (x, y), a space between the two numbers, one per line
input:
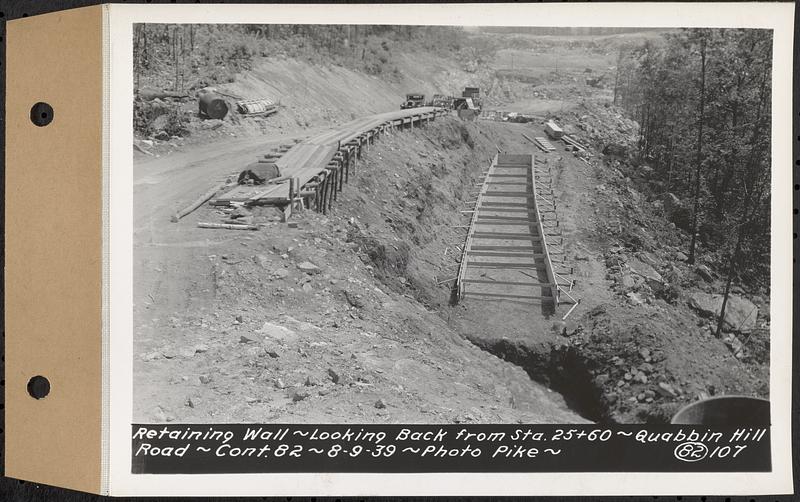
(329, 250)
(451, 224)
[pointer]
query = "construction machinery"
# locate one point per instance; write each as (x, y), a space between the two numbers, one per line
(442, 101)
(413, 101)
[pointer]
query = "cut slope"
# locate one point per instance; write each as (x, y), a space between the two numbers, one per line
(311, 324)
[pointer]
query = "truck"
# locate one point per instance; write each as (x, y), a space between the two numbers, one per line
(471, 92)
(469, 101)
(414, 100)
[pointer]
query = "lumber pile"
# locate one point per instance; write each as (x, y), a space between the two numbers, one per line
(256, 107)
(573, 143)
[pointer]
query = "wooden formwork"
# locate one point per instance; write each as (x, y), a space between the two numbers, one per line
(513, 229)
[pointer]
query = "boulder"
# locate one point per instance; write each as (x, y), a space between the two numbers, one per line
(705, 273)
(308, 267)
(278, 333)
(676, 212)
(615, 149)
(628, 282)
(740, 313)
(641, 268)
(634, 298)
(649, 259)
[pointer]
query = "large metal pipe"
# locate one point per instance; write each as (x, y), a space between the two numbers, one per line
(213, 106)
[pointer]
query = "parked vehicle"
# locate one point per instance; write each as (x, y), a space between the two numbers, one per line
(413, 101)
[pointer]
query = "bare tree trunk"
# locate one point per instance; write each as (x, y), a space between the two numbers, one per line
(731, 268)
(175, 55)
(616, 83)
(750, 204)
(699, 158)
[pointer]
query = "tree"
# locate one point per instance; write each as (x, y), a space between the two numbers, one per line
(699, 157)
(702, 99)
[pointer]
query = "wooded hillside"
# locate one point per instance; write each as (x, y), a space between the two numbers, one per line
(185, 56)
(702, 99)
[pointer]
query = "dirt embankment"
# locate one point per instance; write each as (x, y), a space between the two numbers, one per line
(310, 96)
(320, 322)
(641, 344)
(633, 351)
(347, 317)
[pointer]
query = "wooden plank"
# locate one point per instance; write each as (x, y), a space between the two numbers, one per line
(520, 195)
(227, 226)
(505, 295)
(489, 247)
(473, 252)
(503, 218)
(507, 223)
(501, 264)
(506, 283)
(501, 203)
(505, 236)
(462, 267)
(554, 292)
(504, 209)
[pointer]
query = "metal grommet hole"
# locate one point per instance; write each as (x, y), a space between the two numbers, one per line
(41, 114)
(38, 387)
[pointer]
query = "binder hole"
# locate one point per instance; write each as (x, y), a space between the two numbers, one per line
(41, 114)
(38, 387)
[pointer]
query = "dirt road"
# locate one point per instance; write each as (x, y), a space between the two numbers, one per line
(162, 185)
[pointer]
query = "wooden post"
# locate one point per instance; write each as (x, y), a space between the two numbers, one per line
(332, 191)
(325, 192)
(334, 181)
(298, 198)
(337, 182)
(347, 166)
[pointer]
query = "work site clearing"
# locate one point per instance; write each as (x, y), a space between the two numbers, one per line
(454, 269)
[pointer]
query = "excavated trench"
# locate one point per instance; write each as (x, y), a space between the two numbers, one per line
(562, 368)
(404, 252)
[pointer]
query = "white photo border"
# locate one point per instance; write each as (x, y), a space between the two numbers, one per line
(121, 482)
